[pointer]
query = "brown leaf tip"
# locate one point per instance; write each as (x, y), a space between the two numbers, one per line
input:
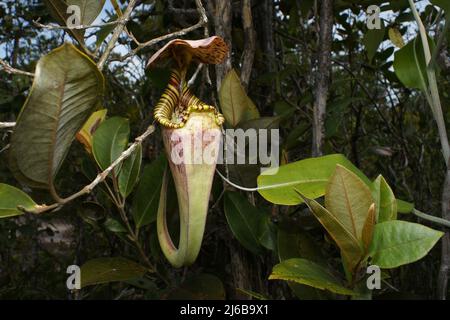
(212, 50)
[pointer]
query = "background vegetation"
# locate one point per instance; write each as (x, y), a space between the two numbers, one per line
(287, 65)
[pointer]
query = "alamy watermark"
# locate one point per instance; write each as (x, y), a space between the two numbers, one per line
(237, 146)
(373, 17)
(374, 280)
(73, 282)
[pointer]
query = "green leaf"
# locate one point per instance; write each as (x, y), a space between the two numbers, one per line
(385, 203)
(252, 294)
(267, 232)
(261, 123)
(372, 40)
(351, 247)
(234, 102)
(62, 98)
(349, 200)
(110, 140)
(58, 10)
(410, 67)
(309, 176)
(104, 31)
(105, 270)
(396, 243)
(129, 172)
(11, 198)
(114, 226)
(89, 9)
(243, 219)
(309, 273)
(444, 4)
(200, 287)
(404, 207)
(146, 198)
(300, 244)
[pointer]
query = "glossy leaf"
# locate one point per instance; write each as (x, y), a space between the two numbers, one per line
(114, 226)
(234, 102)
(243, 219)
(309, 176)
(300, 244)
(267, 232)
(89, 9)
(349, 200)
(110, 140)
(200, 287)
(351, 247)
(105, 270)
(396, 243)
(129, 172)
(146, 198)
(11, 198)
(85, 134)
(58, 10)
(62, 98)
(309, 273)
(444, 4)
(372, 40)
(386, 204)
(410, 66)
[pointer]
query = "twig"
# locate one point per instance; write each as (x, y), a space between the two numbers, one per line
(203, 20)
(100, 177)
(115, 36)
(195, 75)
(7, 125)
(11, 70)
(79, 27)
(172, 8)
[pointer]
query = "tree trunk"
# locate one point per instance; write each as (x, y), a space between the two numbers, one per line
(445, 253)
(223, 16)
(323, 75)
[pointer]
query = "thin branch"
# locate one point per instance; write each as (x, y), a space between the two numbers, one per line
(172, 8)
(8, 69)
(100, 177)
(203, 20)
(115, 36)
(79, 27)
(195, 75)
(7, 125)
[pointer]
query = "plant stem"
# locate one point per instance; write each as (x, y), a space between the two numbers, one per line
(430, 218)
(435, 101)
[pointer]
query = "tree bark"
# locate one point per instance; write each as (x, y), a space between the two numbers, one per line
(223, 16)
(445, 251)
(323, 75)
(250, 43)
